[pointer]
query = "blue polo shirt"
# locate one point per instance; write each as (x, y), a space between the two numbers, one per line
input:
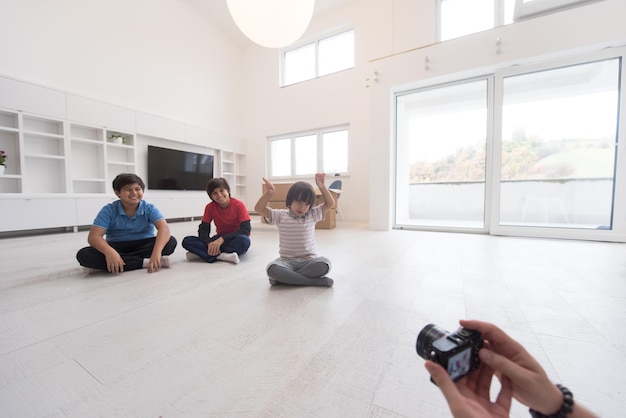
(121, 227)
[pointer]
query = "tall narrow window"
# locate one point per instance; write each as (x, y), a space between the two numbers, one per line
(306, 154)
(441, 155)
(558, 146)
(335, 146)
(280, 157)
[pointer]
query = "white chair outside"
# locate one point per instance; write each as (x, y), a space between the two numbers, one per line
(335, 186)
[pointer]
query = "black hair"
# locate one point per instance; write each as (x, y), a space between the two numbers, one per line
(216, 183)
(301, 191)
(124, 179)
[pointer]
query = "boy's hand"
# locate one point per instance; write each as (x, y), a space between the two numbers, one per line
(115, 263)
(320, 179)
(269, 186)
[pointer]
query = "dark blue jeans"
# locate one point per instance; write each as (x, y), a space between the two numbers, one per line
(197, 246)
(132, 252)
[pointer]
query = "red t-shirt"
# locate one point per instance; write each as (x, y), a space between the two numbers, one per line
(228, 219)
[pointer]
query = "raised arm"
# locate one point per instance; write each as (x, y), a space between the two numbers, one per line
(261, 205)
(329, 202)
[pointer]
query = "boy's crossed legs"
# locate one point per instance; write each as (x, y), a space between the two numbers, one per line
(300, 271)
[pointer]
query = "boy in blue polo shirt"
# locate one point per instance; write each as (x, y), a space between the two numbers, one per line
(128, 224)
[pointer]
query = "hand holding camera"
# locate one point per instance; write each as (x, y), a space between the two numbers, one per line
(457, 352)
(520, 375)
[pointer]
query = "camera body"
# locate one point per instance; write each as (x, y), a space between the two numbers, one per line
(456, 352)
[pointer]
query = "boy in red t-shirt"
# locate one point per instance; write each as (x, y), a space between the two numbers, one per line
(232, 224)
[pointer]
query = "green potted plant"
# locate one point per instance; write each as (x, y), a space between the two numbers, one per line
(3, 160)
(117, 139)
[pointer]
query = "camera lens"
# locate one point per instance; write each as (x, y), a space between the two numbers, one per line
(426, 337)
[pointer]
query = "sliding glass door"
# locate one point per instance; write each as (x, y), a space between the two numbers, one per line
(558, 146)
(441, 156)
(526, 151)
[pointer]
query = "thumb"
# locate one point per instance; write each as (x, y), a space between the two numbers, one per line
(443, 381)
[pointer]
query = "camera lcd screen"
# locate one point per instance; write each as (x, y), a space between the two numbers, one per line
(459, 364)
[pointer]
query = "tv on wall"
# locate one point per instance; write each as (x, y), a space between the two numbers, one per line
(170, 169)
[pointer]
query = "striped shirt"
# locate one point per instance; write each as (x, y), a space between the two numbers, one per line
(296, 236)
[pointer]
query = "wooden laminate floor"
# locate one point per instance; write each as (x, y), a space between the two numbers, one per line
(215, 340)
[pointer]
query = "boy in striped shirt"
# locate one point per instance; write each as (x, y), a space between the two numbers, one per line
(298, 263)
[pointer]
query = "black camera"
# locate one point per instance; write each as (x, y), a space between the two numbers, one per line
(457, 352)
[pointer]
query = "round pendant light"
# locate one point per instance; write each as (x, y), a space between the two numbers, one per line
(272, 23)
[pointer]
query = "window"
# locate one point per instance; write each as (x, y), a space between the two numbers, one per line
(321, 57)
(441, 155)
(558, 146)
(305, 153)
(530, 150)
(462, 17)
(531, 8)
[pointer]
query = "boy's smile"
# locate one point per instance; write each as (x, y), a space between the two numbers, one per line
(221, 197)
(130, 195)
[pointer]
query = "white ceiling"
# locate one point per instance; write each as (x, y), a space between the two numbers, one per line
(216, 12)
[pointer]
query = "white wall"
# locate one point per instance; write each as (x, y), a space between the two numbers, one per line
(393, 38)
(335, 99)
(156, 56)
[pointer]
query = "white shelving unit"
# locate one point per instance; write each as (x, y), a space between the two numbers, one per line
(87, 161)
(43, 155)
(62, 158)
(120, 157)
(54, 156)
(11, 180)
(240, 177)
(231, 168)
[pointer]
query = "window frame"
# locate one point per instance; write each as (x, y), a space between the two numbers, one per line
(492, 209)
(319, 133)
(315, 42)
(536, 8)
(498, 17)
(521, 10)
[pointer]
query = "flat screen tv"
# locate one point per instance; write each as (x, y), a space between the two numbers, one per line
(170, 169)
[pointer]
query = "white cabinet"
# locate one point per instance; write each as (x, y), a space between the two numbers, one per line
(232, 165)
(38, 213)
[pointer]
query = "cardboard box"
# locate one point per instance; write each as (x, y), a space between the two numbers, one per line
(329, 221)
(280, 193)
